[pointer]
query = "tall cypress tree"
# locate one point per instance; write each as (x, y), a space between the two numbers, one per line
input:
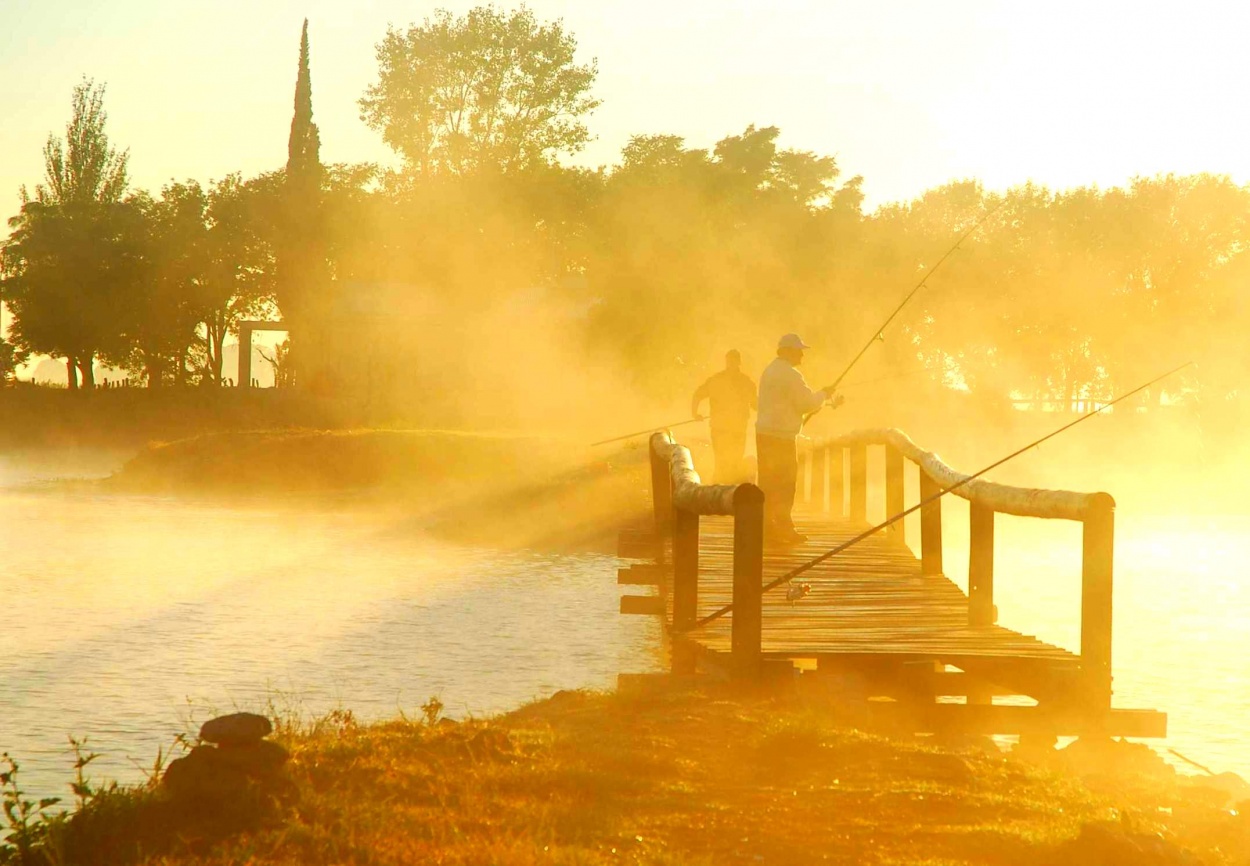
(303, 162)
(301, 261)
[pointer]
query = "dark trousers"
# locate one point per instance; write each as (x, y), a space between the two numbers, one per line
(728, 447)
(778, 477)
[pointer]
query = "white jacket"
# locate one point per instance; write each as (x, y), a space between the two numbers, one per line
(784, 400)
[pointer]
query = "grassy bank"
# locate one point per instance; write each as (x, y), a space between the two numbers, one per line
(695, 777)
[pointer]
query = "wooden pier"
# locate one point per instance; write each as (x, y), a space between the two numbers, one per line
(883, 625)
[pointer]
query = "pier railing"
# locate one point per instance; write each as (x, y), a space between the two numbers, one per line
(835, 479)
(680, 499)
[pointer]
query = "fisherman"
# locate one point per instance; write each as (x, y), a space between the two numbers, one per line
(731, 397)
(784, 401)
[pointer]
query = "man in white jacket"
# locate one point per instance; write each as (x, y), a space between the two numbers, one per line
(784, 400)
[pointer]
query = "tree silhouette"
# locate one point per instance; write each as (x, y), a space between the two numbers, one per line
(72, 258)
(488, 90)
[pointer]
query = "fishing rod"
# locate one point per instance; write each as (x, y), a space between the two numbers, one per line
(807, 566)
(642, 432)
(877, 334)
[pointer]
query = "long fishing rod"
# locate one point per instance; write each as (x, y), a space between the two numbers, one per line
(641, 432)
(876, 335)
(807, 566)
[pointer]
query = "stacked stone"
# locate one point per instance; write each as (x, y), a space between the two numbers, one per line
(233, 758)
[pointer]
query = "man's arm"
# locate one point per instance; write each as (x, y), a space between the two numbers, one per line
(700, 394)
(805, 399)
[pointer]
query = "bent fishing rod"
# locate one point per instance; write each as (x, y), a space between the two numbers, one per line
(807, 566)
(877, 334)
(648, 430)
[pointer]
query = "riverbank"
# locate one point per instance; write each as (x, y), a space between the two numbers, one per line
(695, 776)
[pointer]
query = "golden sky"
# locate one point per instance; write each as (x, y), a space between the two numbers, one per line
(909, 94)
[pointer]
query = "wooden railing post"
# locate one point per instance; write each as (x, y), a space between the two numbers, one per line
(685, 585)
(859, 483)
(930, 527)
(837, 481)
(980, 565)
(661, 497)
(748, 580)
(894, 491)
(822, 479)
(1098, 548)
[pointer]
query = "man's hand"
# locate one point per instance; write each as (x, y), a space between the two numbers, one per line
(836, 400)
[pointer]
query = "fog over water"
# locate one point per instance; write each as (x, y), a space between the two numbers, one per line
(128, 617)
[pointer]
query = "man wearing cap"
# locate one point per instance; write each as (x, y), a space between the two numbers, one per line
(784, 400)
(731, 397)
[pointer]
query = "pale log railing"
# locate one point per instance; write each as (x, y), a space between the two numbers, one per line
(680, 499)
(836, 475)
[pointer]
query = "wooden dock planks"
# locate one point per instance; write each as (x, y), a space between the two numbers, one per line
(872, 599)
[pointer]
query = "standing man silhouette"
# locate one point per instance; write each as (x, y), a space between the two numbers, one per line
(784, 401)
(731, 397)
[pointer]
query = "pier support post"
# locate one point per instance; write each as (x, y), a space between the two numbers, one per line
(980, 566)
(894, 491)
(685, 586)
(930, 527)
(859, 483)
(1098, 548)
(745, 642)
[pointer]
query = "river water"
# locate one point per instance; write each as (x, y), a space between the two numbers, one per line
(128, 620)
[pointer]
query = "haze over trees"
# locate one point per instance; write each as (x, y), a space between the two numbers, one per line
(489, 259)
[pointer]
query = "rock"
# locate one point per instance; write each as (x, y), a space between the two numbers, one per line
(202, 775)
(1089, 756)
(236, 729)
(257, 760)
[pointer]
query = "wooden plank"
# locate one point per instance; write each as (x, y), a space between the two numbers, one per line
(645, 605)
(643, 574)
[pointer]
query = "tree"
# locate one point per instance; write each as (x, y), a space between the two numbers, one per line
(488, 90)
(239, 278)
(163, 322)
(301, 268)
(71, 259)
(73, 279)
(10, 359)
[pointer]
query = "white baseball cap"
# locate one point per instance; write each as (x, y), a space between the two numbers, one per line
(792, 341)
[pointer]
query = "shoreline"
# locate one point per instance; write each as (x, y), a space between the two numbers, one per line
(676, 774)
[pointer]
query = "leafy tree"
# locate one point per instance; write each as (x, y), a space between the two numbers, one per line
(10, 359)
(488, 90)
(163, 321)
(73, 275)
(239, 281)
(71, 258)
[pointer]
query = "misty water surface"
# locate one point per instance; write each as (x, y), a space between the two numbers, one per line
(126, 617)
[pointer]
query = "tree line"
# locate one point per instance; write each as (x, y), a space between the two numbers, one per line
(657, 263)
